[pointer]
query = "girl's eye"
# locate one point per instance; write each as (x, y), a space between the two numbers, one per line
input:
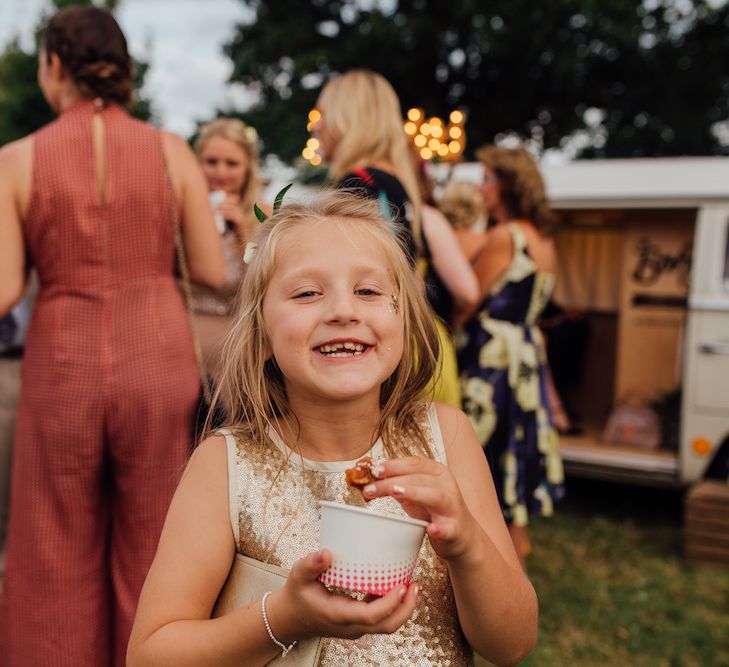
(306, 294)
(366, 291)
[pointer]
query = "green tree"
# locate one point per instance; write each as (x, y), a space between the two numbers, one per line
(22, 106)
(645, 78)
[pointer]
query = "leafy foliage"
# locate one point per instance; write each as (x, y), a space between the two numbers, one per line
(636, 79)
(23, 108)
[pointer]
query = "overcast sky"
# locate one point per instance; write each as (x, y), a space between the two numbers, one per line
(180, 39)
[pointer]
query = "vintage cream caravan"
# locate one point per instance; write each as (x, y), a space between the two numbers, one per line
(644, 258)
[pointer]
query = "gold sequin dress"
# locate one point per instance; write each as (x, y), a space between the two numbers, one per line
(275, 516)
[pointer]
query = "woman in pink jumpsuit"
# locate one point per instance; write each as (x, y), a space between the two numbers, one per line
(109, 378)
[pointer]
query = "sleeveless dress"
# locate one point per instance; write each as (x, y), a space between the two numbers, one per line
(275, 515)
(502, 363)
(109, 389)
(213, 309)
(394, 202)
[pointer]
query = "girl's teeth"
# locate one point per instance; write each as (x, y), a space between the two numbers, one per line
(357, 348)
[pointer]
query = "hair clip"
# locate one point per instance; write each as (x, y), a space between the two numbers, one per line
(249, 251)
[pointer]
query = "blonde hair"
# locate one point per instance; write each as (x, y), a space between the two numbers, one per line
(522, 188)
(363, 115)
(462, 203)
(252, 387)
(245, 137)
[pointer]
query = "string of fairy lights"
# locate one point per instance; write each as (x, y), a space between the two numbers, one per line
(433, 138)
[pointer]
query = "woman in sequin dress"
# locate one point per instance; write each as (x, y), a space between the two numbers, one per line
(332, 346)
(228, 152)
(501, 357)
(110, 382)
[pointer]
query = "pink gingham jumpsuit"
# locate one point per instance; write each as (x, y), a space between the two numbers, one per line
(108, 393)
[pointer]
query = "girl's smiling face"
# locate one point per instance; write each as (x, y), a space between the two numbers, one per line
(329, 316)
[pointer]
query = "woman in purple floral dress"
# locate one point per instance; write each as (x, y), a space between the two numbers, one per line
(501, 356)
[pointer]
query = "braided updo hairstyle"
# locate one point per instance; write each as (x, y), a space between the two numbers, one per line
(92, 48)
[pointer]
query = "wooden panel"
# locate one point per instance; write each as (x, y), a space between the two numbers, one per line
(655, 284)
(706, 523)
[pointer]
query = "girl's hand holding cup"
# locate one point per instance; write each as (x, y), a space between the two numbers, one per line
(427, 490)
(305, 608)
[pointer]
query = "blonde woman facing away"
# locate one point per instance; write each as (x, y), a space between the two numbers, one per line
(228, 152)
(331, 349)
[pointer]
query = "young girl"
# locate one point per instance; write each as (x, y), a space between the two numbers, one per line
(331, 347)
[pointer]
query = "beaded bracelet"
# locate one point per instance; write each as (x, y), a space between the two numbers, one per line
(282, 646)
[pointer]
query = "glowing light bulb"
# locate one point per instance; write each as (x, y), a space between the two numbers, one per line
(442, 150)
(314, 115)
(308, 153)
(425, 129)
(456, 117)
(454, 147)
(455, 132)
(316, 160)
(433, 144)
(410, 127)
(312, 143)
(426, 153)
(414, 114)
(420, 141)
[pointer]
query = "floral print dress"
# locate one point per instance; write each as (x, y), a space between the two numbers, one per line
(503, 369)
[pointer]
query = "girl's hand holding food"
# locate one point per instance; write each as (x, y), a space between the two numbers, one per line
(427, 490)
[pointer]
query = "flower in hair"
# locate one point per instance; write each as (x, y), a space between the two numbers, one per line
(249, 251)
(251, 134)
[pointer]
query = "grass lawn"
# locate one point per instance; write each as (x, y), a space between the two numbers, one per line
(614, 590)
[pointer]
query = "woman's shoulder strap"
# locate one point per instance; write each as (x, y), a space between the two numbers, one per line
(436, 435)
(518, 237)
(231, 447)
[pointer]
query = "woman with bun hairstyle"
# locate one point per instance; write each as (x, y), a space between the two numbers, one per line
(228, 153)
(110, 381)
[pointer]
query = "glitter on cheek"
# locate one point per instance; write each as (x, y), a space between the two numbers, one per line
(394, 305)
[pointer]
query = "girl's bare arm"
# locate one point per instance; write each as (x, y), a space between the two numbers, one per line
(497, 605)
(195, 553)
(172, 625)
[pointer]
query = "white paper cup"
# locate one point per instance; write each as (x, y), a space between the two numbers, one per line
(372, 552)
